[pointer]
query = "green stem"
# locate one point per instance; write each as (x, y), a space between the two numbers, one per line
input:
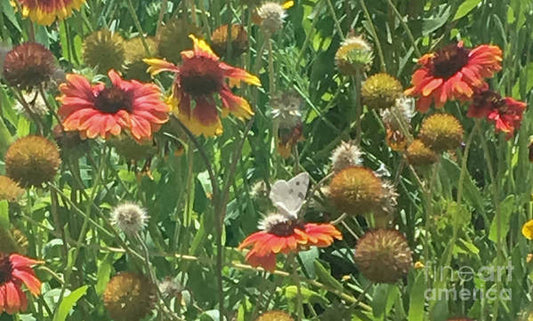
(406, 28)
(358, 107)
(139, 28)
(375, 36)
(464, 162)
(335, 20)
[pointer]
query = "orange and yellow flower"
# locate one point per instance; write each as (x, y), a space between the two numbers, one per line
(283, 235)
(100, 110)
(505, 112)
(527, 230)
(453, 73)
(199, 78)
(45, 12)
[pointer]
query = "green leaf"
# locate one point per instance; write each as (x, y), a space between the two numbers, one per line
(437, 21)
(325, 277)
(7, 10)
(4, 214)
(506, 208)
(103, 274)
(68, 303)
(417, 299)
(308, 296)
(465, 8)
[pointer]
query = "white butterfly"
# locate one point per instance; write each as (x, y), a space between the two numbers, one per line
(289, 196)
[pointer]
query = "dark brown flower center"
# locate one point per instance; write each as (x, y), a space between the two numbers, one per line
(490, 99)
(449, 60)
(201, 76)
(286, 228)
(5, 268)
(112, 99)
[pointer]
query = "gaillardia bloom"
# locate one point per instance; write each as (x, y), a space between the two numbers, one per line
(198, 79)
(505, 112)
(453, 73)
(16, 270)
(100, 110)
(45, 12)
(282, 235)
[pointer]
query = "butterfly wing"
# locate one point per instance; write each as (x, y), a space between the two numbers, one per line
(289, 196)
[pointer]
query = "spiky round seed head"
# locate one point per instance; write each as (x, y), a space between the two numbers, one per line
(135, 67)
(381, 91)
(129, 218)
(345, 155)
(174, 38)
(357, 190)
(131, 149)
(28, 65)
(129, 297)
(9, 189)
(400, 114)
(170, 288)
(70, 143)
(104, 50)
(354, 55)
(238, 42)
(271, 15)
(32, 161)
(383, 256)
(441, 132)
(274, 316)
(419, 154)
(33, 105)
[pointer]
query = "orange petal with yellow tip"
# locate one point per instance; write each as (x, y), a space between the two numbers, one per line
(159, 65)
(200, 46)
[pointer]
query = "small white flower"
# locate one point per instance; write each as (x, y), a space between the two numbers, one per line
(170, 288)
(129, 217)
(345, 155)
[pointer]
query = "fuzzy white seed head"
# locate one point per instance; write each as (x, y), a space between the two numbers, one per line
(400, 114)
(269, 222)
(169, 288)
(129, 217)
(345, 155)
(272, 16)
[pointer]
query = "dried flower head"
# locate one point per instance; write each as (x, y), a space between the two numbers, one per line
(131, 149)
(441, 132)
(129, 218)
(389, 199)
(271, 15)
(287, 113)
(104, 50)
(170, 288)
(135, 67)
(383, 256)
(32, 161)
(357, 190)
(380, 91)
(274, 316)
(129, 297)
(9, 189)
(354, 55)
(28, 65)
(33, 105)
(238, 40)
(70, 143)
(397, 121)
(174, 38)
(419, 154)
(345, 155)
